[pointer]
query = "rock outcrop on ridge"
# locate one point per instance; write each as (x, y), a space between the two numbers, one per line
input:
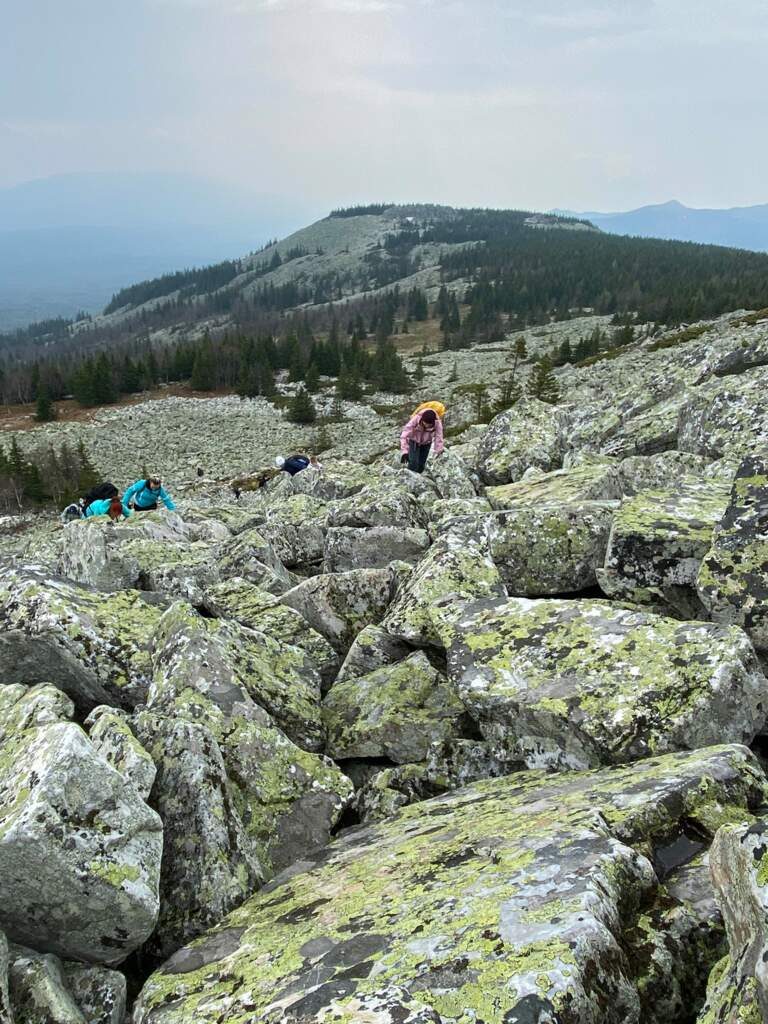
(360, 746)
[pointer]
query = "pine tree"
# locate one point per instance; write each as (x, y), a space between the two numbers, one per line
(509, 394)
(542, 383)
(88, 475)
(418, 373)
(312, 379)
(454, 373)
(301, 408)
(204, 367)
(45, 410)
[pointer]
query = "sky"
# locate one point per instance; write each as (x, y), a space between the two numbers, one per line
(508, 103)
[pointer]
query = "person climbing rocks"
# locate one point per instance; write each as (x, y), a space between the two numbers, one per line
(144, 495)
(112, 507)
(421, 431)
(293, 464)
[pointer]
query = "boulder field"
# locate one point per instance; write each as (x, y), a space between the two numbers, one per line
(481, 746)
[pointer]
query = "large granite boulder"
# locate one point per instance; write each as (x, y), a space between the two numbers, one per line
(589, 481)
(79, 848)
(380, 504)
(250, 556)
(726, 417)
(451, 476)
(528, 434)
(339, 605)
(657, 543)
(395, 712)
(582, 683)
(457, 568)
(107, 634)
(504, 901)
(296, 530)
(45, 990)
(237, 798)
(372, 648)
(738, 987)
(372, 548)
(733, 577)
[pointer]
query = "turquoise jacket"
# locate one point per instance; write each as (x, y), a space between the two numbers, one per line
(143, 497)
(100, 508)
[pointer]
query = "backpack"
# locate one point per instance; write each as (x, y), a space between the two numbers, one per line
(71, 513)
(99, 493)
(437, 407)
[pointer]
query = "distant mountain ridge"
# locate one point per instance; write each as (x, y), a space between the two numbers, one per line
(70, 241)
(741, 227)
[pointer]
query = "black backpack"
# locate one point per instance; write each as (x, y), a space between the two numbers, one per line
(99, 493)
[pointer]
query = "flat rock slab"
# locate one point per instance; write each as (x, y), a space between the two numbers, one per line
(581, 683)
(502, 902)
(658, 541)
(733, 578)
(591, 481)
(374, 547)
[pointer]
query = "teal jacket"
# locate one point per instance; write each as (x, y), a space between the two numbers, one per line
(100, 508)
(143, 497)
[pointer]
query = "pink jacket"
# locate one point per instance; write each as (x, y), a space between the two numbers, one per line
(414, 431)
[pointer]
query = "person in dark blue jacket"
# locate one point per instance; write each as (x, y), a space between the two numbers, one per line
(144, 495)
(293, 464)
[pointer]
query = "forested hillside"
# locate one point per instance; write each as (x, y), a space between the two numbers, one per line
(335, 299)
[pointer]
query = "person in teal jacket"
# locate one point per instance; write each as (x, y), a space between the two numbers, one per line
(145, 495)
(111, 507)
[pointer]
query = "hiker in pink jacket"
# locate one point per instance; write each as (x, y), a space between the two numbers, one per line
(417, 438)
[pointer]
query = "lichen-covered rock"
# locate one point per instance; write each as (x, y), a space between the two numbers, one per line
(296, 530)
(339, 605)
(738, 987)
(726, 417)
(339, 479)
(733, 578)
(110, 732)
(6, 1016)
(79, 848)
(657, 543)
(528, 434)
(372, 548)
(395, 712)
(109, 634)
(39, 991)
(379, 504)
(457, 568)
(581, 683)
(548, 549)
(372, 648)
(237, 798)
(589, 481)
(238, 599)
(658, 472)
(251, 556)
(451, 476)
(450, 508)
(279, 677)
(504, 901)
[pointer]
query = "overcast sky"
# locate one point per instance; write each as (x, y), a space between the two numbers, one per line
(530, 103)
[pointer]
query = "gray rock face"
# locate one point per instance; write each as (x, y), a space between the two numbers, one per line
(373, 648)
(733, 578)
(378, 505)
(451, 476)
(110, 733)
(79, 849)
(46, 990)
(586, 482)
(657, 543)
(503, 901)
(726, 417)
(395, 712)
(738, 986)
(250, 556)
(107, 634)
(6, 1016)
(373, 548)
(339, 605)
(582, 683)
(237, 798)
(529, 434)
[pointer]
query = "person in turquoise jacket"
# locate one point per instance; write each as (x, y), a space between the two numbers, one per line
(145, 495)
(111, 507)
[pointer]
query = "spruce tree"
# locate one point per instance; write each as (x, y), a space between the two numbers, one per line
(45, 409)
(301, 408)
(542, 383)
(312, 379)
(418, 373)
(88, 475)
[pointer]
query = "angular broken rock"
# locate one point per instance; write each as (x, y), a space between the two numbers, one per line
(582, 683)
(108, 634)
(657, 543)
(504, 901)
(733, 578)
(395, 712)
(339, 605)
(529, 434)
(373, 648)
(738, 986)
(372, 548)
(110, 733)
(79, 848)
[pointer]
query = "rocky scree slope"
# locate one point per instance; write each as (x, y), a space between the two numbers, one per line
(482, 745)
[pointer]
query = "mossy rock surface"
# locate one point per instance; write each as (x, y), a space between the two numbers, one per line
(582, 683)
(500, 900)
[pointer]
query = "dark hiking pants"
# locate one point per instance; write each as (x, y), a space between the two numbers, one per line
(417, 456)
